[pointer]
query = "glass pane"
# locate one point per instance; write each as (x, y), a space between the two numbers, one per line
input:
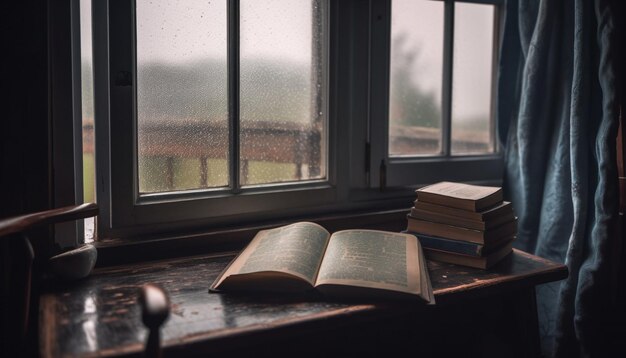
(182, 102)
(416, 70)
(86, 77)
(283, 126)
(472, 79)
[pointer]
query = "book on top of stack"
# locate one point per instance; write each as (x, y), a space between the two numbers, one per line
(463, 224)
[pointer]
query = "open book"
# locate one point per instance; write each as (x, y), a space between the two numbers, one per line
(349, 263)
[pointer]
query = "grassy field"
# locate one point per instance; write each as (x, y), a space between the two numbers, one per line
(88, 178)
(153, 171)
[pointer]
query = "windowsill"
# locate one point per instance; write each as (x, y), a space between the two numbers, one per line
(370, 209)
(235, 237)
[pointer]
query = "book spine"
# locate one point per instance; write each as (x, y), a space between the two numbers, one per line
(465, 214)
(448, 220)
(461, 222)
(504, 209)
(442, 230)
(484, 237)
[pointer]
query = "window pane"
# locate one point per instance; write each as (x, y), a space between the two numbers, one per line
(416, 68)
(86, 78)
(472, 79)
(182, 103)
(283, 127)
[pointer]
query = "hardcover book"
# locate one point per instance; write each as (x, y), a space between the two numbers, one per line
(503, 209)
(460, 196)
(458, 247)
(462, 222)
(481, 262)
(484, 237)
(350, 263)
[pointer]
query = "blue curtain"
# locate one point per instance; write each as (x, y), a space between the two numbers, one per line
(557, 119)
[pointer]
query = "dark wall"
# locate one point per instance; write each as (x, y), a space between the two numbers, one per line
(24, 123)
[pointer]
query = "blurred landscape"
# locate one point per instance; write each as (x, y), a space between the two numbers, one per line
(183, 139)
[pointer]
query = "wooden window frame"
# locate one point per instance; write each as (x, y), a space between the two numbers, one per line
(351, 187)
(424, 169)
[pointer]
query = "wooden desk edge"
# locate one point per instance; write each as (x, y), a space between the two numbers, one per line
(553, 272)
(543, 275)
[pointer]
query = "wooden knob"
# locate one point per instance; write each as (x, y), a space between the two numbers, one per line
(155, 309)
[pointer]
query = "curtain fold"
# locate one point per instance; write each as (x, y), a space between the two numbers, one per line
(557, 119)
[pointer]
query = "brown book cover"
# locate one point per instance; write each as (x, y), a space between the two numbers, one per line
(481, 262)
(461, 222)
(457, 246)
(485, 237)
(486, 215)
(460, 195)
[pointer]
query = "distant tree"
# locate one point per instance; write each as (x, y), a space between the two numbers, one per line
(410, 105)
(270, 90)
(195, 91)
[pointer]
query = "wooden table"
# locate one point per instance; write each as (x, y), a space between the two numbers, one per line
(477, 312)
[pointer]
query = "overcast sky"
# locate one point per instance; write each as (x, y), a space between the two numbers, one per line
(188, 30)
(422, 20)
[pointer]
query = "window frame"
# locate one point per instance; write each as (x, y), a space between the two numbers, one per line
(425, 169)
(178, 209)
(65, 112)
(354, 185)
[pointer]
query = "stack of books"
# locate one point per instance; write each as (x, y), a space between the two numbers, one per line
(463, 224)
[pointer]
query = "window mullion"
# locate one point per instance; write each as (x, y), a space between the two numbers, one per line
(498, 20)
(448, 48)
(233, 94)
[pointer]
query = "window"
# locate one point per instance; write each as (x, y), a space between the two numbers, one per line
(207, 118)
(216, 113)
(434, 103)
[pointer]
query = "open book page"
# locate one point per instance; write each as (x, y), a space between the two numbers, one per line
(426, 288)
(372, 259)
(295, 249)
